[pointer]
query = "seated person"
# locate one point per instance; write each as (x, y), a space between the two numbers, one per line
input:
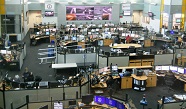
(109, 81)
(30, 77)
(25, 75)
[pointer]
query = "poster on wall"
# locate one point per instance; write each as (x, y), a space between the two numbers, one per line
(88, 13)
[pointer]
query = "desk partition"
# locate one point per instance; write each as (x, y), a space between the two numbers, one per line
(121, 61)
(163, 59)
(1, 99)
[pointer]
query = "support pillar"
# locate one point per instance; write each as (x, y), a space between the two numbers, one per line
(161, 14)
(170, 20)
(183, 18)
(17, 24)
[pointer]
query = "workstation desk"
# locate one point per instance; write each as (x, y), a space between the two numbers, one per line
(130, 81)
(125, 46)
(37, 39)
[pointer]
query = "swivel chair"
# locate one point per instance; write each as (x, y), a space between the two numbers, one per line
(169, 80)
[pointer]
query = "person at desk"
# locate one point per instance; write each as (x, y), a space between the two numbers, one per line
(30, 77)
(25, 75)
(109, 81)
(117, 39)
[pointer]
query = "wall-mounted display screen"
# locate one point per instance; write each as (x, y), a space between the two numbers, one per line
(49, 13)
(99, 99)
(88, 13)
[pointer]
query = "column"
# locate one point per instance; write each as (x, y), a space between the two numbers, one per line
(161, 14)
(17, 24)
(170, 20)
(183, 18)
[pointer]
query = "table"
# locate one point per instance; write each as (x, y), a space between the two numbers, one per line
(139, 82)
(125, 46)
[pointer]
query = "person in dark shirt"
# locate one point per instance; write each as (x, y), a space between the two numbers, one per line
(30, 77)
(25, 75)
(110, 81)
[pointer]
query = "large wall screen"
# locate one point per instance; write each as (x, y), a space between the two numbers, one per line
(88, 13)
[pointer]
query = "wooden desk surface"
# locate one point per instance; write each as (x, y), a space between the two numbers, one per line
(144, 77)
(96, 106)
(131, 67)
(126, 45)
(104, 85)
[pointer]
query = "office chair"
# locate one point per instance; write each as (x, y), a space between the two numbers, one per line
(169, 80)
(132, 49)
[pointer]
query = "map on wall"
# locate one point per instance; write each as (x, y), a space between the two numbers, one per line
(88, 13)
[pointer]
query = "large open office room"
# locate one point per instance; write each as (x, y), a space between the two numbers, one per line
(115, 54)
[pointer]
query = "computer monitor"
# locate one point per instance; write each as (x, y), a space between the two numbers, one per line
(120, 105)
(37, 33)
(72, 102)
(43, 84)
(139, 73)
(158, 68)
(53, 84)
(74, 38)
(114, 68)
(180, 70)
(173, 68)
(46, 29)
(65, 37)
(111, 102)
(47, 33)
(165, 68)
(99, 99)
(87, 99)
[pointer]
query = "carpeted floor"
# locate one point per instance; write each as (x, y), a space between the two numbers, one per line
(32, 62)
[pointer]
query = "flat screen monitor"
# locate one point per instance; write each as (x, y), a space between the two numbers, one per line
(181, 70)
(165, 68)
(37, 33)
(120, 105)
(54, 29)
(99, 99)
(89, 33)
(49, 13)
(87, 99)
(158, 68)
(114, 68)
(139, 73)
(65, 37)
(72, 102)
(111, 102)
(46, 29)
(184, 70)
(74, 38)
(174, 68)
(47, 33)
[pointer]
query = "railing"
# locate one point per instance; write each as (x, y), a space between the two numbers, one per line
(18, 99)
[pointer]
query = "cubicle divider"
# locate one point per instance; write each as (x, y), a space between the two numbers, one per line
(81, 58)
(18, 98)
(60, 59)
(172, 105)
(121, 61)
(164, 59)
(102, 61)
(1, 99)
(179, 51)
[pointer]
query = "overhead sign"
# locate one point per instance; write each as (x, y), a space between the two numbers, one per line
(49, 6)
(126, 9)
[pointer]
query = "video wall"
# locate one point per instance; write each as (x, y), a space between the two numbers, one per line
(88, 13)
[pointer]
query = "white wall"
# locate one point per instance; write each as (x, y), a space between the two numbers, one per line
(34, 18)
(126, 18)
(154, 24)
(50, 20)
